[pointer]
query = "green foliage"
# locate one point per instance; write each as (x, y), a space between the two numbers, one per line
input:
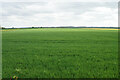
(60, 53)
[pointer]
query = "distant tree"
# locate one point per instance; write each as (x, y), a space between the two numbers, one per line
(3, 27)
(33, 27)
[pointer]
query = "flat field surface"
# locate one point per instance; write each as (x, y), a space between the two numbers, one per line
(60, 53)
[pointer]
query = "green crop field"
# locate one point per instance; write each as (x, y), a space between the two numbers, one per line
(60, 53)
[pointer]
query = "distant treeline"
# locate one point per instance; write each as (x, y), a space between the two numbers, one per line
(58, 27)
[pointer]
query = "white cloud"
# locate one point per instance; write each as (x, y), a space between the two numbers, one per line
(59, 14)
(101, 16)
(59, 0)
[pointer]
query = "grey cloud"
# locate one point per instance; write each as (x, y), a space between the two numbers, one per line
(56, 13)
(19, 8)
(81, 7)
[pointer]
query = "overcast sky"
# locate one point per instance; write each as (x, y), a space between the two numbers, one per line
(59, 13)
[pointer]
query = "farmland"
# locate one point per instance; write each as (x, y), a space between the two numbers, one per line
(60, 53)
